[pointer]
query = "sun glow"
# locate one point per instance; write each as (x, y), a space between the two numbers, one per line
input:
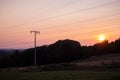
(101, 37)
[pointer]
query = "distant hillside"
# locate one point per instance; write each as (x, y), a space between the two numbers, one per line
(6, 51)
(9, 51)
(3, 52)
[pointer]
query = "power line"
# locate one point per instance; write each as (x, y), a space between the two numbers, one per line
(97, 25)
(92, 32)
(72, 12)
(81, 34)
(97, 30)
(89, 20)
(80, 22)
(26, 43)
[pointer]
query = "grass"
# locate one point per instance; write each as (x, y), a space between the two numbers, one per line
(61, 75)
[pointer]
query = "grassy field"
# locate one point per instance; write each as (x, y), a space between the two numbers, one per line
(61, 75)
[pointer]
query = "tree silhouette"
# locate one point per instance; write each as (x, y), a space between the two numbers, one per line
(61, 51)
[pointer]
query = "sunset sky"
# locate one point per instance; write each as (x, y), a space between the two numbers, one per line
(80, 20)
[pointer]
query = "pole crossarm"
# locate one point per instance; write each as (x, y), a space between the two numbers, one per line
(35, 32)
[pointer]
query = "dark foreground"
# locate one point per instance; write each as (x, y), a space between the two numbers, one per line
(61, 75)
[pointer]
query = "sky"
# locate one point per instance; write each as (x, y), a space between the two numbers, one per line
(80, 20)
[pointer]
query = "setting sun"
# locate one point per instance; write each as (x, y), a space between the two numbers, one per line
(102, 37)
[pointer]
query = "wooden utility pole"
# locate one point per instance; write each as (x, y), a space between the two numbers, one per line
(35, 32)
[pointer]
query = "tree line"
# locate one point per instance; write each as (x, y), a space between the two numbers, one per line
(61, 51)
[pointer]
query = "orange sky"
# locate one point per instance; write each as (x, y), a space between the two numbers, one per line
(81, 20)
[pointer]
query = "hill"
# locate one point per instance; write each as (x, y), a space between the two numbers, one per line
(66, 51)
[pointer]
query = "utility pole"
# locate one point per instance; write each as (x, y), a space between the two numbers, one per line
(35, 32)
